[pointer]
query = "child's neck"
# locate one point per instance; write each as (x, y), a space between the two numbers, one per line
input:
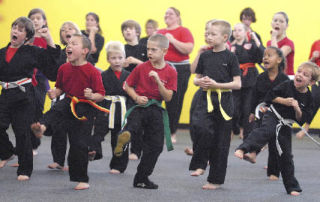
(79, 62)
(158, 64)
(273, 73)
(37, 34)
(174, 26)
(303, 89)
(239, 41)
(219, 48)
(282, 36)
(133, 42)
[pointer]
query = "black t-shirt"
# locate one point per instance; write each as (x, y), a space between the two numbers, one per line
(99, 42)
(138, 51)
(221, 67)
(143, 41)
(286, 90)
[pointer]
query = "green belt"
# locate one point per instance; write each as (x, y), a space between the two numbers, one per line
(165, 119)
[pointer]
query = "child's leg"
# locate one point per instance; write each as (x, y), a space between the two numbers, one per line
(286, 162)
(6, 148)
(246, 97)
(59, 147)
(100, 131)
(273, 169)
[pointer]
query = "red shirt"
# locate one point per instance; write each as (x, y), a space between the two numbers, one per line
(181, 34)
(290, 58)
(40, 42)
(74, 79)
(315, 47)
(10, 53)
(118, 74)
(146, 86)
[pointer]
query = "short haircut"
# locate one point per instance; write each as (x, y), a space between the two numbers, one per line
(26, 23)
(248, 12)
(224, 25)
(96, 17)
(315, 71)
(284, 15)
(279, 52)
(71, 24)
(115, 47)
(86, 43)
(243, 25)
(162, 40)
(131, 24)
(38, 10)
(153, 23)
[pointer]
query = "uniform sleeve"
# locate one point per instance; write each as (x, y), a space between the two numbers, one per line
(99, 41)
(315, 47)
(97, 85)
(199, 68)
(133, 77)
(290, 44)
(186, 36)
(234, 64)
(258, 52)
(307, 111)
(59, 83)
(172, 80)
(278, 91)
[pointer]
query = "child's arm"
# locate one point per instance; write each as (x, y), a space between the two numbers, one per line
(133, 60)
(234, 84)
(92, 96)
(196, 60)
(165, 93)
(92, 33)
(54, 93)
(45, 33)
(140, 100)
(182, 47)
(290, 102)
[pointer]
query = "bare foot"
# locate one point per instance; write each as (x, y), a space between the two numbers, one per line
(23, 178)
(294, 193)
(239, 153)
(188, 151)
(114, 171)
(82, 186)
(133, 157)
(241, 133)
(38, 129)
(300, 134)
(55, 166)
(197, 172)
(91, 155)
(174, 138)
(4, 162)
(35, 152)
(265, 167)
(273, 178)
(210, 186)
(251, 157)
(14, 165)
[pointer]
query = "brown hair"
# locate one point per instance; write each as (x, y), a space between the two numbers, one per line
(86, 43)
(131, 24)
(225, 26)
(27, 24)
(162, 40)
(96, 17)
(38, 10)
(152, 22)
(73, 25)
(177, 12)
(249, 12)
(315, 71)
(284, 15)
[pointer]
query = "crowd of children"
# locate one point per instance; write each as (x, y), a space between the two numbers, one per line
(126, 98)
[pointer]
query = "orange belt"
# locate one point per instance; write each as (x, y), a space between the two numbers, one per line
(245, 67)
(75, 100)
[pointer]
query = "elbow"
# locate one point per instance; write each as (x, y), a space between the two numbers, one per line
(238, 85)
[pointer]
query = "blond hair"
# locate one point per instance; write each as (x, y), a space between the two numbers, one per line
(115, 47)
(71, 24)
(162, 40)
(225, 26)
(315, 71)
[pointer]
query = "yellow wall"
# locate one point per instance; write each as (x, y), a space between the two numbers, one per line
(303, 24)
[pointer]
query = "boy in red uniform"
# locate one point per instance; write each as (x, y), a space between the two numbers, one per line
(79, 80)
(149, 84)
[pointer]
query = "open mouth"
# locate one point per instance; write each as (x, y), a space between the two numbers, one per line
(277, 28)
(69, 53)
(68, 36)
(14, 37)
(265, 62)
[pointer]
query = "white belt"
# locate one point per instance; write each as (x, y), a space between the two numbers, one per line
(16, 84)
(173, 64)
(287, 122)
(114, 99)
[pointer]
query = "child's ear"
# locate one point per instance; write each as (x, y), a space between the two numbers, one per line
(85, 51)
(226, 37)
(165, 50)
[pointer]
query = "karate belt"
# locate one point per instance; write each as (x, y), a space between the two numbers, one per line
(287, 122)
(209, 101)
(173, 64)
(16, 84)
(259, 109)
(75, 101)
(114, 99)
(245, 67)
(165, 119)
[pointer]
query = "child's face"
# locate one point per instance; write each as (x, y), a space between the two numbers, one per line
(246, 20)
(91, 22)
(38, 21)
(271, 59)
(155, 53)
(239, 32)
(75, 50)
(116, 60)
(303, 77)
(150, 29)
(215, 36)
(130, 34)
(18, 35)
(171, 18)
(66, 32)
(279, 23)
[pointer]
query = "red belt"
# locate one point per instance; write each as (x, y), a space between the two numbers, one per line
(75, 100)
(245, 67)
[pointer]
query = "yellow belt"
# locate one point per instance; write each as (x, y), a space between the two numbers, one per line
(114, 99)
(209, 101)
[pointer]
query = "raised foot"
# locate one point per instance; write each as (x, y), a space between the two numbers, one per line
(123, 139)
(197, 172)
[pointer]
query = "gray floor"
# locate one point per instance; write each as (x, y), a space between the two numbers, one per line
(244, 181)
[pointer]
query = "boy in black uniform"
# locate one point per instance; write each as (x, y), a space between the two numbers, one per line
(17, 98)
(217, 73)
(136, 53)
(118, 101)
(290, 100)
(149, 84)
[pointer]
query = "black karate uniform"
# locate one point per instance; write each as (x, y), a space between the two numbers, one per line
(213, 130)
(260, 136)
(113, 86)
(99, 42)
(16, 105)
